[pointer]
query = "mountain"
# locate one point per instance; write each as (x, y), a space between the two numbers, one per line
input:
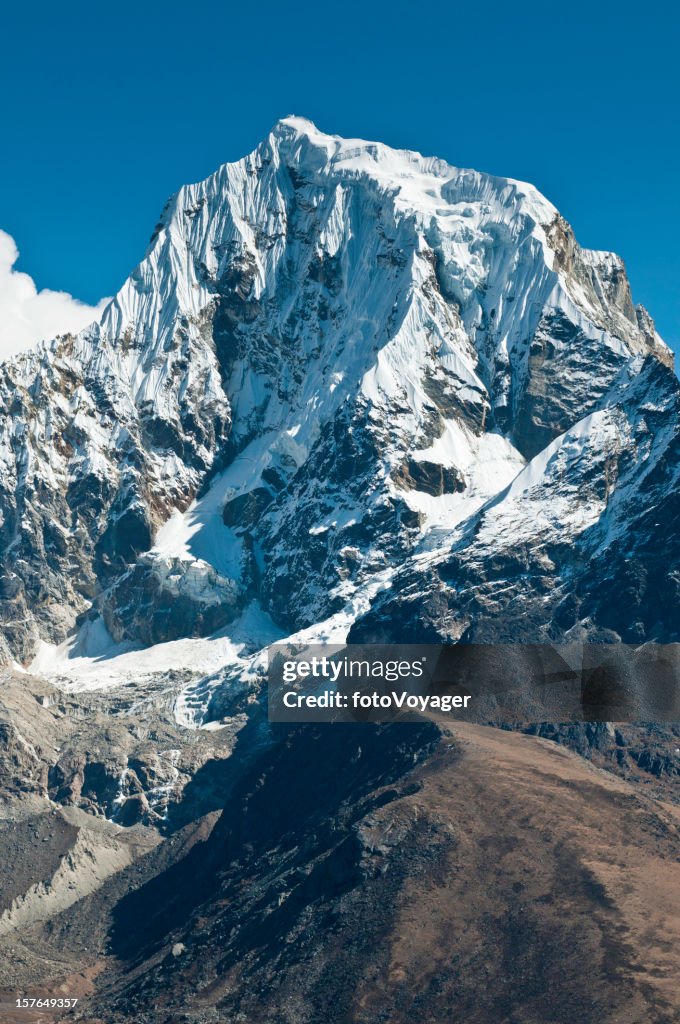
(349, 393)
(330, 365)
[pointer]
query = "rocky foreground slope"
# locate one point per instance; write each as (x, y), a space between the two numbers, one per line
(415, 875)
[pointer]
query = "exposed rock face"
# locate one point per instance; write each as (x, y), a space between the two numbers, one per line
(159, 600)
(119, 757)
(428, 477)
(341, 352)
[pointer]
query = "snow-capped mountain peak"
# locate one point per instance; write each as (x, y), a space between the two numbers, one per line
(332, 356)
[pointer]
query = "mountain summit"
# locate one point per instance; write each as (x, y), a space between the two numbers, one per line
(348, 387)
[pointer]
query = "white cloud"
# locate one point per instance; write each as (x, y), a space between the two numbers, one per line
(28, 315)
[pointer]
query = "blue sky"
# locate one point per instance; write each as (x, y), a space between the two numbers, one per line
(108, 109)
